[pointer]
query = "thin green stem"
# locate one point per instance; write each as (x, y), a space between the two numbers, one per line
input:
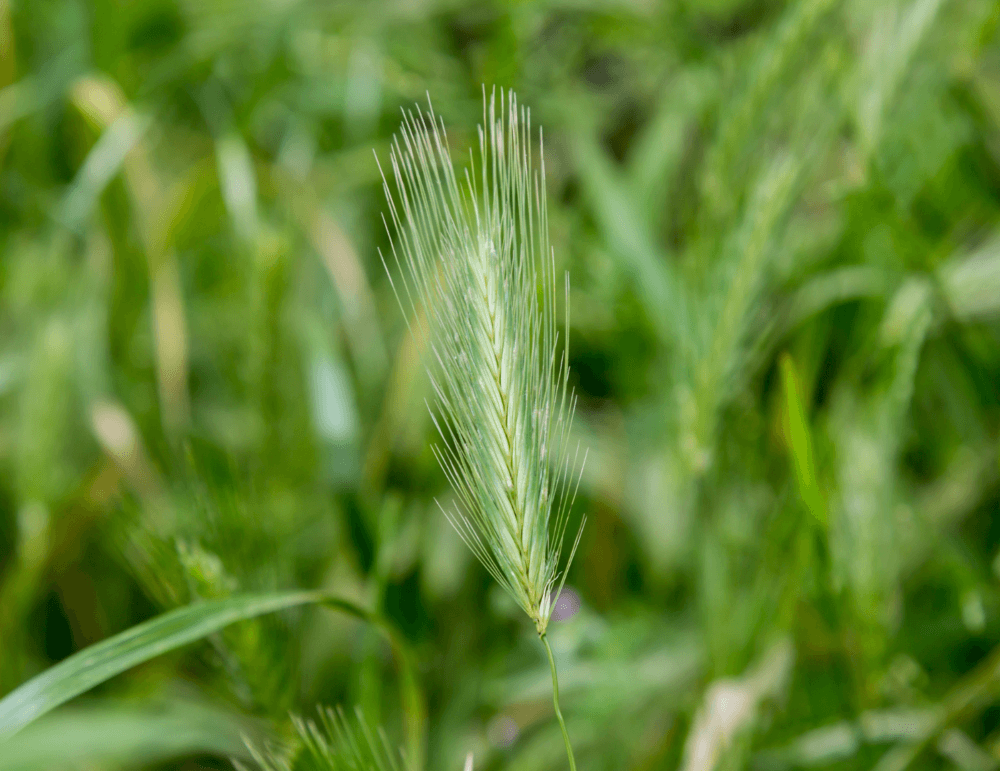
(555, 703)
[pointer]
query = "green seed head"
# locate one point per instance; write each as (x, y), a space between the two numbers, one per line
(475, 256)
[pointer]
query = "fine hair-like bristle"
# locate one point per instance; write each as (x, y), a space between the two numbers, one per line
(475, 257)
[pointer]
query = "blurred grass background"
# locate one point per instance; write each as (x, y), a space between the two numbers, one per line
(782, 226)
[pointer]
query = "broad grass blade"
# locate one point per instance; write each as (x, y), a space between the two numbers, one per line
(126, 735)
(92, 666)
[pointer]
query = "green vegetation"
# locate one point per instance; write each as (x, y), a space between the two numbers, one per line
(782, 226)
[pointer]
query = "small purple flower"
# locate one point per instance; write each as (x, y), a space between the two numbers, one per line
(502, 731)
(566, 605)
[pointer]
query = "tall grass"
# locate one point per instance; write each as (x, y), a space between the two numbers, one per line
(478, 278)
(781, 223)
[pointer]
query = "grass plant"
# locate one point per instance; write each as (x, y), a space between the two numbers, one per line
(477, 275)
(331, 742)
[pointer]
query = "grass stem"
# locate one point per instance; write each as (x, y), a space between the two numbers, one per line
(555, 703)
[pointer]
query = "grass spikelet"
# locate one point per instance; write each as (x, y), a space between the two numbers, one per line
(332, 743)
(474, 255)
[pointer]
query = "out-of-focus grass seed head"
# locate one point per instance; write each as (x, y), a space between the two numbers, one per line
(332, 742)
(474, 257)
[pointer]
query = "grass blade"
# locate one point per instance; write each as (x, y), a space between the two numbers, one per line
(90, 667)
(116, 735)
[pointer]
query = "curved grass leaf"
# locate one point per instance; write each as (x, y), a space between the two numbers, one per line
(126, 735)
(92, 666)
(798, 434)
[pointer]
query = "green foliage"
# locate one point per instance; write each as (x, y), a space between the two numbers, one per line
(781, 219)
(116, 736)
(334, 743)
(92, 666)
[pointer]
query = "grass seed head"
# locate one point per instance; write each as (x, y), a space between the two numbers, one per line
(473, 254)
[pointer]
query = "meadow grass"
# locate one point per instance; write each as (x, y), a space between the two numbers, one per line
(781, 223)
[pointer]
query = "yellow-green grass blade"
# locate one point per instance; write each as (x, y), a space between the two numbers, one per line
(800, 442)
(90, 667)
